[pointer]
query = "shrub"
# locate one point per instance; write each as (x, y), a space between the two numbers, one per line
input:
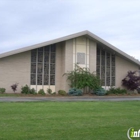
(100, 91)
(75, 92)
(116, 91)
(81, 78)
(33, 91)
(14, 87)
(54, 93)
(123, 91)
(41, 91)
(49, 91)
(131, 81)
(111, 91)
(138, 90)
(25, 89)
(62, 92)
(2, 90)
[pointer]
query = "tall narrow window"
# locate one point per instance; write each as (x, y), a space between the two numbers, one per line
(52, 65)
(33, 66)
(40, 66)
(46, 65)
(113, 70)
(98, 62)
(108, 69)
(43, 66)
(105, 67)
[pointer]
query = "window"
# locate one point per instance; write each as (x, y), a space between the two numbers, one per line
(105, 67)
(43, 65)
(81, 58)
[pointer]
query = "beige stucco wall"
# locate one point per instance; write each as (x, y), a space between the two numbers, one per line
(68, 63)
(66, 58)
(92, 55)
(15, 69)
(60, 65)
(81, 45)
(64, 63)
(122, 67)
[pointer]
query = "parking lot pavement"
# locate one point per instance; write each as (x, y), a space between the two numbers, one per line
(70, 98)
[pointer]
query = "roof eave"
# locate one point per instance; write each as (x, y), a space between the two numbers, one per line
(86, 32)
(116, 50)
(28, 48)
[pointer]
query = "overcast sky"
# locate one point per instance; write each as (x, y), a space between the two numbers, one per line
(28, 22)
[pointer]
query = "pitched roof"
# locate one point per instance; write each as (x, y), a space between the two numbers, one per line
(87, 33)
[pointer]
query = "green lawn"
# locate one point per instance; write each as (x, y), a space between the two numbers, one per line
(68, 120)
(9, 95)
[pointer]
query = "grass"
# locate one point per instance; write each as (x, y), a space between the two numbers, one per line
(20, 95)
(68, 120)
(56, 95)
(10, 95)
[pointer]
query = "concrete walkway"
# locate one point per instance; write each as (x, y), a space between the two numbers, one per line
(70, 99)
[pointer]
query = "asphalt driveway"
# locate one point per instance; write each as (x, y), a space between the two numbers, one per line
(70, 99)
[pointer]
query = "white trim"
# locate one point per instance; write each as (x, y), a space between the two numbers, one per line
(87, 33)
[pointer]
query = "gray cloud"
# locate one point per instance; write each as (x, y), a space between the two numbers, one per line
(28, 22)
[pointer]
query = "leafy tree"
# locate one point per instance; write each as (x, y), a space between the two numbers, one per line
(82, 77)
(131, 81)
